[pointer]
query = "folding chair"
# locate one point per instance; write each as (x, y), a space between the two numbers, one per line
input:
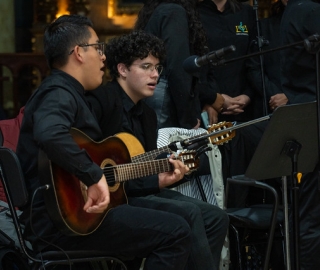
(260, 225)
(17, 196)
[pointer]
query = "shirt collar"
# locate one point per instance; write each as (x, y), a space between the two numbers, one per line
(75, 83)
(129, 105)
(212, 5)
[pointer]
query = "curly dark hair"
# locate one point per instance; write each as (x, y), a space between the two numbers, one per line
(130, 47)
(197, 35)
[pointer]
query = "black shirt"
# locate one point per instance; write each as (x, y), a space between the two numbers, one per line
(300, 20)
(114, 109)
(224, 29)
(56, 106)
(132, 114)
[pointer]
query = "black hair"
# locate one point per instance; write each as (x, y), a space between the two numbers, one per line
(62, 35)
(197, 36)
(277, 8)
(130, 47)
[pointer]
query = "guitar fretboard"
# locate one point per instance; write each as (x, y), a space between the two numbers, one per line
(124, 172)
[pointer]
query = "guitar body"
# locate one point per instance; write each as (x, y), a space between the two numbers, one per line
(133, 144)
(67, 194)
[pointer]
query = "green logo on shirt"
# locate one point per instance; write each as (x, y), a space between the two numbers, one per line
(241, 29)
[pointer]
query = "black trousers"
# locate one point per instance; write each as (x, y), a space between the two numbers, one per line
(208, 224)
(170, 230)
(127, 231)
(309, 214)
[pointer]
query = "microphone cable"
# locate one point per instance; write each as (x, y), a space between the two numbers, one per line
(45, 187)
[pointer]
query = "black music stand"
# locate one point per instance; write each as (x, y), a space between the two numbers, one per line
(289, 145)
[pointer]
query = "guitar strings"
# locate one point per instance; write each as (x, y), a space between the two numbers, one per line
(122, 172)
(128, 171)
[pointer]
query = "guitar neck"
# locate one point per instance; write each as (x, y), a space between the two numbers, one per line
(125, 172)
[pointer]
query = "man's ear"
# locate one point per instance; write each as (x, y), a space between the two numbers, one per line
(122, 69)
(78, 53)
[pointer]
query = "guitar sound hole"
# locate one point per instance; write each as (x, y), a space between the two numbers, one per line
(111, 183)
(110, 175)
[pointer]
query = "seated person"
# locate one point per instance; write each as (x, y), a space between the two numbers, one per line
(134, 62)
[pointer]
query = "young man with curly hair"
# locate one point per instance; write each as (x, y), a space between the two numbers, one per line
(134, 61)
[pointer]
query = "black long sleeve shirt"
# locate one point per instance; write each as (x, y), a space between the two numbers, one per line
(56, 106)
(300, 20)
(224, 29)
(116, 113)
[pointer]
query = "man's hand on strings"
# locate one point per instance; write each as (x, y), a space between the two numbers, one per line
(169, 178)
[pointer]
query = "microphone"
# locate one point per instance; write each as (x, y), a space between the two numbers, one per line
(194, 62)
(312, 43)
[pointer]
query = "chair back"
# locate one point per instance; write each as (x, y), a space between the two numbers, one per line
(1, 138)
(12, 178)
(15, 191)
(9, 135)
(255, 217)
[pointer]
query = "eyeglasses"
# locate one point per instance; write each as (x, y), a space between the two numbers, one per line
(98, 46)
(150, 68)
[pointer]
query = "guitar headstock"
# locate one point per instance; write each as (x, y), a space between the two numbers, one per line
(190, 159)
(223, 137)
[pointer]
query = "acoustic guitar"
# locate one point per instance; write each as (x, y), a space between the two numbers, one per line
(66, 195)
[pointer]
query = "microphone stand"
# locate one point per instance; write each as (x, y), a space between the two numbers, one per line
(312, 38)
(318, 107)
(261, 41)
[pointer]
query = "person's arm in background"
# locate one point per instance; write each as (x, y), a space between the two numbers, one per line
(271, 65)
(273, 93)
